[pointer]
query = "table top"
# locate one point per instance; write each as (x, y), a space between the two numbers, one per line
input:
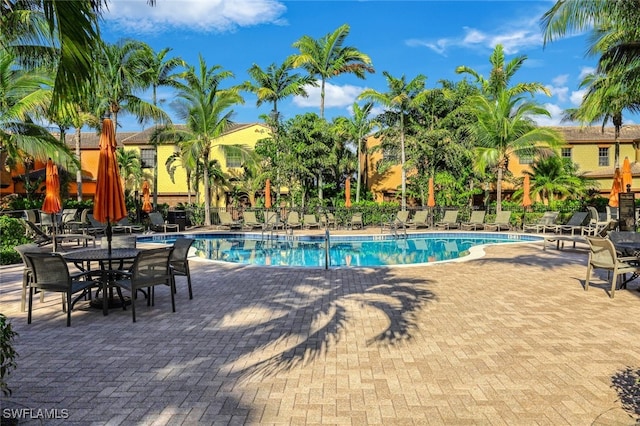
(102, 254)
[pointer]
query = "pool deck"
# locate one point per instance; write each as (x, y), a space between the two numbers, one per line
(510, 338)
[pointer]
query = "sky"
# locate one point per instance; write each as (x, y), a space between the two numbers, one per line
(407, 38)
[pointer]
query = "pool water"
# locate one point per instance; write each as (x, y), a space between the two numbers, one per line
(344, 251)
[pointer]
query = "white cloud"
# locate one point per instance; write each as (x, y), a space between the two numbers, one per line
(197, 15)
(584, 71)
(576, 96)
(556, 116)
(560, 80)
(335, 96)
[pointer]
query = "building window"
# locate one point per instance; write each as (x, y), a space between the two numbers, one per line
(147, 158)
(525, 159)
(565, 153)
(603, 157)
(233, 160)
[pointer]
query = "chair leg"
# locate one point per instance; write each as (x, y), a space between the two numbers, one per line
(133, 304)
(189, 283)
(586, 281)
(23, 298)
(173, 301)
(30, 304)
(69, 309)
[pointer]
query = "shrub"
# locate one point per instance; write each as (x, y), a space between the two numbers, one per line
(7, 353)
(12, 233)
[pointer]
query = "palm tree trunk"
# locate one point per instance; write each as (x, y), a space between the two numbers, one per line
(403, 172)
(79, 157)
(359, 169)
(322, 99)
(207, 193)
(499, 191)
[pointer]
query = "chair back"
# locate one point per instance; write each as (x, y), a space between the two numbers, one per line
(477, 216)
(293, 218)
(578, 219)
(271, 218)
(602, 253)
(450, 216)
(503, 217)
(250, 217)
(225, 218)
(68, 215)
(156, 218)
(151, 267)
(50, 271)
(612, 213)
(594, 215)
(548, 218)
(310, 219)
(402, 216)
(180, 253)
(25, 248)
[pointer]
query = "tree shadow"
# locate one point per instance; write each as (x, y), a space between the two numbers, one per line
(627, 384)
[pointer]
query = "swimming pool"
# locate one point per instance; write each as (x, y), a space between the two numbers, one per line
(344, 250)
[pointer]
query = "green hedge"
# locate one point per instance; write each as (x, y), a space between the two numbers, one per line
(12, 233)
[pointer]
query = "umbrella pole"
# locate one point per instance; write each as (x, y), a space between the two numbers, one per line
(53, 232)
(109, 233)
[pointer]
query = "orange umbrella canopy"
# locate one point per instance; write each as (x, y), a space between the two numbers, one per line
(146, 197)
(109, 204)
(431, 202)
(267, 194)
(526, 188)
(52, 203)
(347, 193)
(627, 177)
(616, 188)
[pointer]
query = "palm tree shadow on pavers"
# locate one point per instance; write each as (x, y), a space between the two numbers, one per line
(627, 384)
(314, 314)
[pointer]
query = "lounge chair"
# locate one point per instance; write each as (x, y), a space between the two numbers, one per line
(226, 221)
(449, 220)
(501, 222)
(123, 225)
(293, 221)
(356, 221)
(158, 224)
(94, 227)
(475, 222)
(577, 223)
(310, 221)
(420, 220)
(272, 221)
(327, 219)
(544, 223)
(250, 221)
(400, 220)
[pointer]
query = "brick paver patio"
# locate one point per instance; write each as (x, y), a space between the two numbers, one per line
(511, 338)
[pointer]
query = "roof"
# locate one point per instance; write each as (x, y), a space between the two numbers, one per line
(628, 133)
(91, 140)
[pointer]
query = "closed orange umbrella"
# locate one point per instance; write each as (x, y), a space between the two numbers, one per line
(431, 202)
(146, 197)
(347, 193)
(52, 203)
(616, 188)
(108, 204)
(526, 198)
(627, 177)
(267, 194)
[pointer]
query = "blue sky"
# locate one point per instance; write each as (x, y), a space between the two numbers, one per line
(402, 37)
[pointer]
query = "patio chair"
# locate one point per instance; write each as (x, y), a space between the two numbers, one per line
(250, 221)
(475, 222)
(150, 269)
(327, 219)
(272, 221)
(420, 220)
(179, 262)
(356, 221)
(545, 222)
(226, 221)
(158, 224)
(501, 222)
(596, 224)
(603, 255)
(449, 220)
(310, 221)
(576, 223)
(400, 220)
(293, 221)
(94, 227)
(124, 225)
(27, 273)
(68, 217)
(80, 224)
(38, 235)
(51, 273)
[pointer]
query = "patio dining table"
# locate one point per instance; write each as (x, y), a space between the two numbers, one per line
(105, 258)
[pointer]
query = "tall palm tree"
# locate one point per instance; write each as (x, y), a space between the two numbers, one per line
(120, 80)
(159, 70)
(357, 128)
(505, 128)
(399, 100)
(24, 98)
(130, 167)
(206, 109)
(328, 57)
(276, 83)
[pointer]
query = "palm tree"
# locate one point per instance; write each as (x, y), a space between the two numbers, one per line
(157, 70)
(120, 77)
(276, 83)
(399, 99)
(327, 57)
(357, 128)
(130, 167)
(553, 178)
(205, 107)
(24, 98)
(505, 128)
